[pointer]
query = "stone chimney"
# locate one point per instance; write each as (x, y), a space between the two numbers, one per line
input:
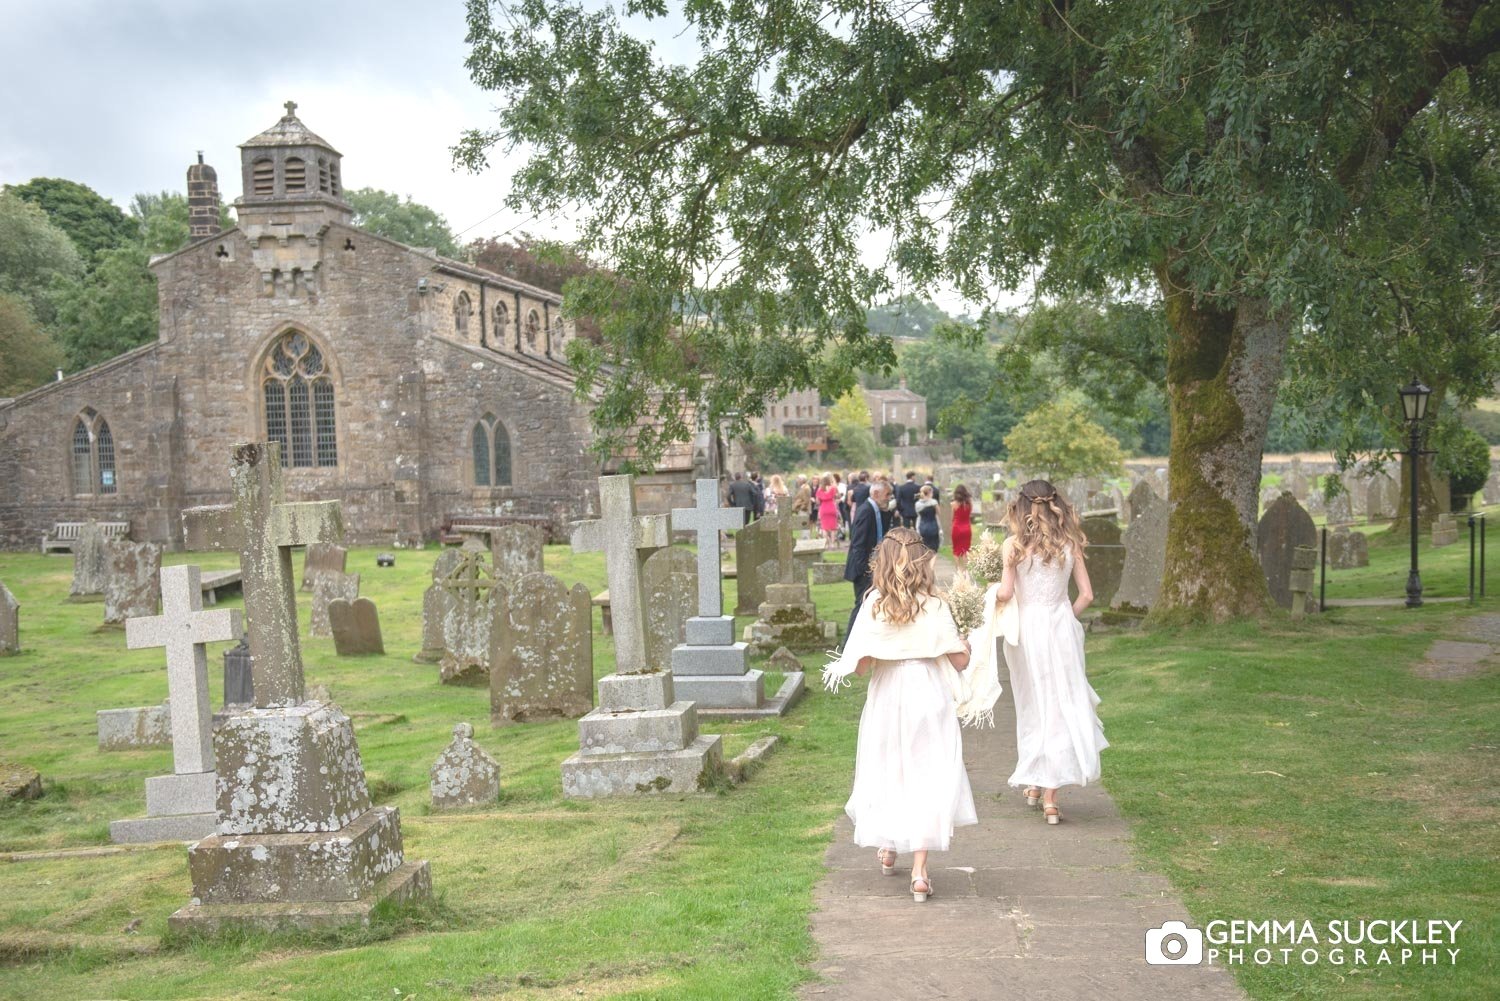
(203, 200)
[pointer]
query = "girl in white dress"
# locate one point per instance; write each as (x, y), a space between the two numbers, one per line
(910, 787)
(1058, 733)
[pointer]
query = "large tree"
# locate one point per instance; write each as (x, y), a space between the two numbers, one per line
(1220, 152)
(35, 257)
(403, 220)
(94, 223)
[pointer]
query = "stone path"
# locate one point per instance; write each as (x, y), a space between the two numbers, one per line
(1448, 659)
(1021, 910)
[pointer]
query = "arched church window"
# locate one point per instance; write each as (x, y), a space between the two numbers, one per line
(533, 328)
(263, 176)
(462, 308)
(491, 444)
(296, 174)
(502, 322)
(93, 455)
(298, 395)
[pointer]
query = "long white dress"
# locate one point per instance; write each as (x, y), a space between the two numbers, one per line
(910, 786)
(1058, 733)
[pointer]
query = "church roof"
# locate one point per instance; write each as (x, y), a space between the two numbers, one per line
(289, 131)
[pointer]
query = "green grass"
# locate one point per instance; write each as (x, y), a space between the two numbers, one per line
(1445, 571)
(1383, 802)
(537, 897)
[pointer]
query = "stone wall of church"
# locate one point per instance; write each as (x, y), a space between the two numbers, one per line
(36, 431)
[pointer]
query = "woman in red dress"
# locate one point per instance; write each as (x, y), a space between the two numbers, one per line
(963, 514)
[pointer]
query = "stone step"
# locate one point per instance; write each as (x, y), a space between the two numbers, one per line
(650, 731)
(263, 868)
(698, 660)
(737, 691)
(411, 882)
(173, 827)
(692, 769)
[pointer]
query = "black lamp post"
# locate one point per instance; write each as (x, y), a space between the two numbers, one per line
(1414, 408)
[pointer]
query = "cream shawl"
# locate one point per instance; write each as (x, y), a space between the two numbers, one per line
(978, 708)
(931, 635)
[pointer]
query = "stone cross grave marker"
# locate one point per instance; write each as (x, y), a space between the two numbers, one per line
(468, 619)
(264, 528)
(625, 538)
(706, 519)
(182, 628)
(786, 547)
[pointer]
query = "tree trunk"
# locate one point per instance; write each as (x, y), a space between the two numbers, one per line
(1223, 367)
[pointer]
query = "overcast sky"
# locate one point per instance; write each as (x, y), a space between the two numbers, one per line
(121, 94)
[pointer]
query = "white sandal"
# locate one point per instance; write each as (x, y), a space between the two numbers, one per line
(1033, 796)
(920, 896)
(886, 868)
(1052, 812)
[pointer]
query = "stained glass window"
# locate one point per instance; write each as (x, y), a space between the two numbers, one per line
(299, 402)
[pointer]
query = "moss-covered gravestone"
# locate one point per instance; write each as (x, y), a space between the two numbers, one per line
(298, 843)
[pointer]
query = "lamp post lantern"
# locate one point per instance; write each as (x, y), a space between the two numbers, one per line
(1414, 409)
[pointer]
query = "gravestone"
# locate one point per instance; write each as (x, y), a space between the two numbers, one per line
(787, 617)
(1491, 492)
(515, 551)
(1347, 550)
(19, 782)
(543, 659)
(669, 591)
(181, 806)
(1339, 510)
(132, 587)
(239, 688)
(1382, 496)
(709, 667)
(134, 728)
(298, 843)
(1304, 562)
(1283, 528)
(1145, 541)
(10, 622)
(755, 544)
(329, 586)
(90, 564)
(464, 774)
(468, 618)
(436, 601)
(1105, 555)
(641, 739)
(1444, 531)
(356, 627)
(320, 558)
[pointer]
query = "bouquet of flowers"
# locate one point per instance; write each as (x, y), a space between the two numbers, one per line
(986, 561)
(965, 601)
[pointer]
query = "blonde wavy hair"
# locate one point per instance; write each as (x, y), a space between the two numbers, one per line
(904, 571)
(1043, 523)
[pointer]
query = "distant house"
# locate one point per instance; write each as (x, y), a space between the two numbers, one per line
(898, 406)
(799, 416)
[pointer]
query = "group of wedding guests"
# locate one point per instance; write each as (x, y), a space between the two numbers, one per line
(927, 675)
(830, 503)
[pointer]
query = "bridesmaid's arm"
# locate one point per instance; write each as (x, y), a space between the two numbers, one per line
(1007, 588)
(1085, 589)
(960, 658)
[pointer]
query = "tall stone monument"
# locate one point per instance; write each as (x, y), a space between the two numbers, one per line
(298, 843)
(181, 806)
(10, 622)
(641, 738)
(711, 668)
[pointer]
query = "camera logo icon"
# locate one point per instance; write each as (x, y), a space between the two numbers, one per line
(1174, 944)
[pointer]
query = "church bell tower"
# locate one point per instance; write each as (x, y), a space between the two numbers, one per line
(293, 191)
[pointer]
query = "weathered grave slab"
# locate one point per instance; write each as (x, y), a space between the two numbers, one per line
(464, 774)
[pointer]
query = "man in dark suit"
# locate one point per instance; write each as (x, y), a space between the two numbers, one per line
(866, 529)
(759, 490)
(742, 496)
(906, 501)
(860, 487)
(937, 494)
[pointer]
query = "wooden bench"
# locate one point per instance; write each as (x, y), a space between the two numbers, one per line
(460, 526)
(65, 533)
(217, 584)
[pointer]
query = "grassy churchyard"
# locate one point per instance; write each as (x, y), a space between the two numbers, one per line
(1274, 770)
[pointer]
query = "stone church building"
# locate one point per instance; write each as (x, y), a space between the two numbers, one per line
(412, 388)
